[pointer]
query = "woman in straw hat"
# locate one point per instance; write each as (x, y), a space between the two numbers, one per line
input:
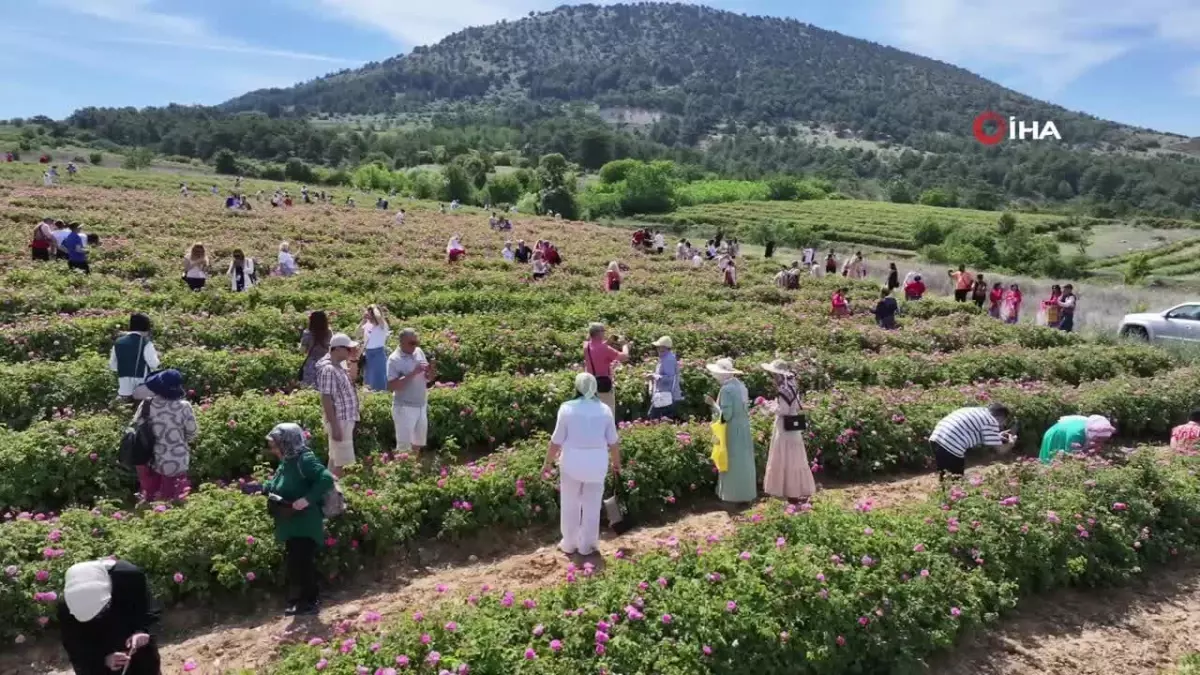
(665, 392)
(788, 474)
(738, 483)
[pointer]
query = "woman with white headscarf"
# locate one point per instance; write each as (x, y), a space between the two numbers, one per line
(296, 495)
(105, 616)
(1076, 433)
(739, 483)
(585, 438)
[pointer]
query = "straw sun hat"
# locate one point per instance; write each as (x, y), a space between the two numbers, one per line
(777, 367)
(723, 367)
(664, 341)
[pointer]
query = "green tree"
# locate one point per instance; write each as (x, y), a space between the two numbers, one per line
(928, 233)
(297, 170)
(782, 189)
(1137, 270)
(225, 162)
(459, 184)
(504, 188)
(938, 197)
(552, 169)
(900, 192)
(649, 188)
(138, 158)
(614, 172)
(96, 158)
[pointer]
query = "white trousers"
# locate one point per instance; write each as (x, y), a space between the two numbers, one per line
(580, 517)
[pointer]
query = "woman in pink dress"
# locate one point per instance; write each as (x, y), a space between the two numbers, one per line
(788, 473)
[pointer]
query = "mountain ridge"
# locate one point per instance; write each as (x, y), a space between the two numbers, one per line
(702, 64)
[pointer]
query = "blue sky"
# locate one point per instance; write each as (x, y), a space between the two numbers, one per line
(1134, 61)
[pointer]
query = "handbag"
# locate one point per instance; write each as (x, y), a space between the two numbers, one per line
(333, 503)
(720, 451)
(661, 399)
(795, 422)
(603, 383)
(137, 445)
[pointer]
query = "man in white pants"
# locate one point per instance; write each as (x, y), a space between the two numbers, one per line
(409, 374)
(336, 372)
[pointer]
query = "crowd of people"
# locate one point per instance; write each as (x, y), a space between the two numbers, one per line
(107, 614)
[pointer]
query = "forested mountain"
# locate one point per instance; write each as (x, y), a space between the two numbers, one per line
(738, 96)
(706, 66)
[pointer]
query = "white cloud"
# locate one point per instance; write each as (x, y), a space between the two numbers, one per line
(1048, 43)
(177, 31)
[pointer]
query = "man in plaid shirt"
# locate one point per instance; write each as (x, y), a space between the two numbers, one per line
(339, 399)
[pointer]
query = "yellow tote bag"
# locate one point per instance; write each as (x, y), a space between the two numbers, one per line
(720, 453)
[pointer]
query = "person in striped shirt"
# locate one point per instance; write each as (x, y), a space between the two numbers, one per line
(968, 428)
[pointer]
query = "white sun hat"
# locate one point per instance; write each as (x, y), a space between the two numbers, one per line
(723, 366)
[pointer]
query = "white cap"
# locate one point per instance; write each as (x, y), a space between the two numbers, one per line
(342, 340)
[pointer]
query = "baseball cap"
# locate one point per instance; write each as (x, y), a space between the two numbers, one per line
(341, 340)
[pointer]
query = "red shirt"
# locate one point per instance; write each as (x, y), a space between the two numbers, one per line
(915, 289)
(612, 279)
(598, 358)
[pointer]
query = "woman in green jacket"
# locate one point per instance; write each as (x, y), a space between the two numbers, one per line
(295, 499)
(1075, 433)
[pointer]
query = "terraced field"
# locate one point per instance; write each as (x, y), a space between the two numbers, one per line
(1177, 260)
(786, 586)
(876, 224)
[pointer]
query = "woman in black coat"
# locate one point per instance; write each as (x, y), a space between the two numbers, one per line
(105, 615)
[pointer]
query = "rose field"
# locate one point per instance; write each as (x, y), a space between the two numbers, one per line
(842, 586)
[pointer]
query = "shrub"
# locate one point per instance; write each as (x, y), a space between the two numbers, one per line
(96, 158)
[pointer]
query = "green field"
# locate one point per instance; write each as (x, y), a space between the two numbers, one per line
(880, 224)
(1178, 260)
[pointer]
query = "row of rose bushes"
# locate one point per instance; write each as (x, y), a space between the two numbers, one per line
(478, 285)
(859, 431)
(502, 340)
(37, 390)
(804, 591)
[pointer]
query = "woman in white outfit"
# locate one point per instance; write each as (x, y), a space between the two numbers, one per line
(586, 439)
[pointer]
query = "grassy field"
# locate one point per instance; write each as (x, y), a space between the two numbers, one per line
(1179, 260)
(507, 350)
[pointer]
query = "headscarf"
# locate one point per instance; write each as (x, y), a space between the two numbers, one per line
(88, 589)
(1098, 427)
(585, 384)
(908, 278)
(454, 245)
(290, 439)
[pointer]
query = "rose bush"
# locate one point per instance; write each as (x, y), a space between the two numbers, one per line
(854, 431)
(39, 390)
(822, 590)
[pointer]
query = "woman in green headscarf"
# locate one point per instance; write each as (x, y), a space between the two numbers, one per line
(296, 493)
(739, 483)
(1075, 433)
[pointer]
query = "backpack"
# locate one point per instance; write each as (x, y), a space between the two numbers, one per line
(137, 445)
(333, 504)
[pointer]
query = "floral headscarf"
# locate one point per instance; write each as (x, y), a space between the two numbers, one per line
(290, 439)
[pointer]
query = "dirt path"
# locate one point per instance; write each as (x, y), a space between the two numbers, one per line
(510, 561)
(1143, 629)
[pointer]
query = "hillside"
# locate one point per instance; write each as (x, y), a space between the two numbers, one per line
(705, 66)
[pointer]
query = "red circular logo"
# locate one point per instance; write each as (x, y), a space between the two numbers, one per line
(996, 136)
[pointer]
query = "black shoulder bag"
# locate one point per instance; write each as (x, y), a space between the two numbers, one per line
(603, 384)
(137, 445)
